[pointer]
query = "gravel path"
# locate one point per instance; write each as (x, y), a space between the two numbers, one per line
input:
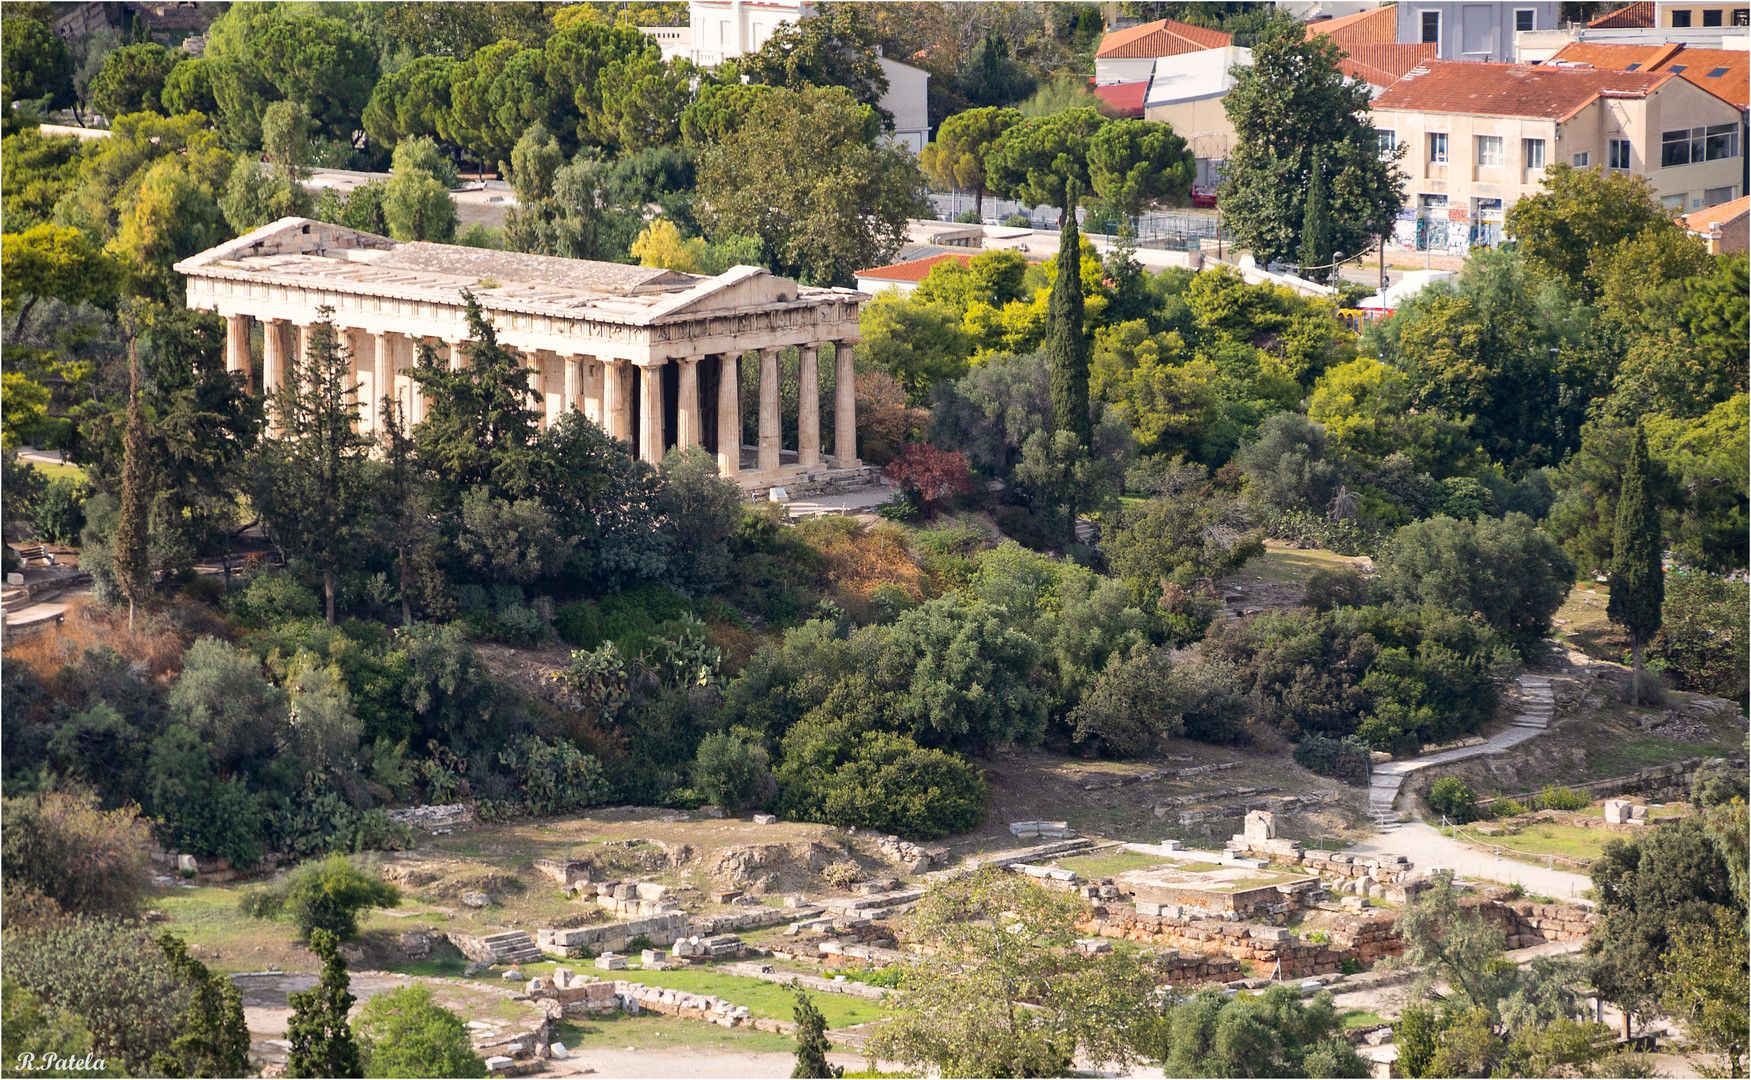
(1425, 847)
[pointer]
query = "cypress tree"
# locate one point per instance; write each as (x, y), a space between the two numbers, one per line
(1316, 227)
(811, 1042)
(1066, 348)
(212, 1038)
(1637, 579)
(322, 1041)
(131, 554)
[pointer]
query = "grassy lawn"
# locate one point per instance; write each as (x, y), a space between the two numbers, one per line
(652, 1031)
(1632, 755)
(1548, 838)
(58, 472)
(1359, 1018)
(1288, 566)
(1107, 864)
(764, 999)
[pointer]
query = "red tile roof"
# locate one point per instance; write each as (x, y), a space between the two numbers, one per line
(1377, 27)
(1716, 216)
(1557, 93)
(1383, 65)
(1163, 37)
(916, 270)
(1732, 86)
(1636, 16)
(1124, 100)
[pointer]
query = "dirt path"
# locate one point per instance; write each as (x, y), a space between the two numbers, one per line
(1426, 848)
(729, 1064)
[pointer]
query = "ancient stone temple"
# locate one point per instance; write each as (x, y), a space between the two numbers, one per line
(655, 356)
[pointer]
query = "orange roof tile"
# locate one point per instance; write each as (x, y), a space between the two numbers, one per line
(1124, 100)
(1163, 37)
(916, 270)
(1636, 16)
(1377, 27)
(1732, 85)
(1383, 65)
(1716, 216)
(1460, 86)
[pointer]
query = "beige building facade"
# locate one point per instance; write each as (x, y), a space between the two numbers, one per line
(656, 357)
(1477, 146)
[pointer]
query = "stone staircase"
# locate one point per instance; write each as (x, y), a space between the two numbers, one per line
(514, 947)
(1537, 704)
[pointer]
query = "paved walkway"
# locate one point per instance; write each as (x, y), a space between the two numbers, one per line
(1537, 707)
(1428, 850)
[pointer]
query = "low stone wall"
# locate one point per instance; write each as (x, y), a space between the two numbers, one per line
(1660, 783)
(1362, 939)
(613, 937)
(751, 919)
(1526, 923)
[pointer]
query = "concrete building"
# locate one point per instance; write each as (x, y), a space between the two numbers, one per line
(654, 356)
(1186, 93)
(1726, 228)
(719, 30)
(1473, 31)
(1481, 135)
(1680, 15)
(1129, 55)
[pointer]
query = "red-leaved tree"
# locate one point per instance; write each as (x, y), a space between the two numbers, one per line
(934, 474)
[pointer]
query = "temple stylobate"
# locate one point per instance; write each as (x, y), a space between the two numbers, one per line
(655, 356)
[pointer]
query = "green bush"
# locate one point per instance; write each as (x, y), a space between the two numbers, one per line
(1507, 808)
(577, 625)
(1561, 798)
(1018, 221)
(1452, 797)
(271, 597)
(728, 771)
(1340, 759)
(326, 895)
(60, 510)
(881, 781)
(405, 1033)
(968, 217)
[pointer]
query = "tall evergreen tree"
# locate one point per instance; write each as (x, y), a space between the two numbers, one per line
(311, 483)
(322, 1041)
(1316, 228)
(1065, 346)
(212, 1038)
(811, 1043)
(131, 540)
(401, 504)
(1637, 579)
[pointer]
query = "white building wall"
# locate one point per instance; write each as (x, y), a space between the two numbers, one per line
(908, 99)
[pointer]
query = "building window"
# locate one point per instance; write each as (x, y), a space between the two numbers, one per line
(1677, 69)
(1717, 73)
(1672, 202)
(1742, 16)
(1633, 67)
(1489, 150)
(1388, 140)
(1617, 154)
(1437, 148)
(1715, 196)
(1583, 159)
(1711, 17)
(1523, 19)
(1533, 151)
(1680, 18)
(1722, 141)
(1431, 28)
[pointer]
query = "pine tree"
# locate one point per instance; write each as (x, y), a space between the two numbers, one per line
(401, 508)
(322, 1041)
(1637, 579)
(313, 466)
(1316, 227)
(131, 554)
(811, 1042)
(1066, 348)
(212, 1038)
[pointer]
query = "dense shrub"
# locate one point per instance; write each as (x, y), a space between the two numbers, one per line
(1452, 797)
(577, 624)
(60, 509)
(405, 1033)
(729, 771)
(270, 597)
(1341, 759)
(1336, 588)
(326, 895)
(64, 847)
(1702, 642)
(1561, 798)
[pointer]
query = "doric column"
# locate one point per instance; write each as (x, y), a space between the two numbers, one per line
(844, 406)
(770, 441)
(574, 383)
(729, 416)
(383, 382)
(537, 384)
(650, 411)
(594, 376)
(808, 406)
(614, 398)
(273, 354)
(687, 429)
(237, 346)
(456, 361)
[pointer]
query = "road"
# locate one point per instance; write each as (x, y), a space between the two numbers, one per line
(1425, 847)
